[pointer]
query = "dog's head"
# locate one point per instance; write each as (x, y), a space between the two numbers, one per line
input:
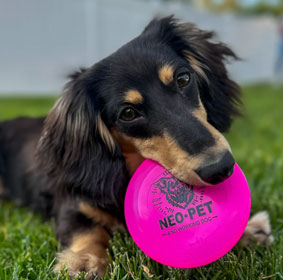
(165, 95)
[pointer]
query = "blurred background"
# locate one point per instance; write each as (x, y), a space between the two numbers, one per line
(42, 41)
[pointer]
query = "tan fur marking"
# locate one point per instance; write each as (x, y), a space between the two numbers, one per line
(94, 241)
(166, 151)
(86, 253)
(166, 74)
(132, 157)
(220, 140)
(76, 263)
(105, 134)
(101, 217)
(197, 66)
(133, 96)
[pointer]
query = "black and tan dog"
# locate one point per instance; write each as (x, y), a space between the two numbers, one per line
(165, 95)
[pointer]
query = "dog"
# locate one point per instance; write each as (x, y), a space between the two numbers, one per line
(166, 95)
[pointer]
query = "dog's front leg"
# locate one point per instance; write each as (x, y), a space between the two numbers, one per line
(84, 232)
(87, 253)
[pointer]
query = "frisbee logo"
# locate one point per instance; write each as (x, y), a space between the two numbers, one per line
(177, 193)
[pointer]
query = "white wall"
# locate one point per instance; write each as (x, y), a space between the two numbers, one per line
(41, 41)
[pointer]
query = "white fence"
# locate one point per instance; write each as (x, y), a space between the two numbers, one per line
(41, 41)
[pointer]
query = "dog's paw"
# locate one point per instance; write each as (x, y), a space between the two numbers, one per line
(76, 263)
(258, 229)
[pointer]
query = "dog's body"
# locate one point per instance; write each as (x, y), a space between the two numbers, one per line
(166, 95)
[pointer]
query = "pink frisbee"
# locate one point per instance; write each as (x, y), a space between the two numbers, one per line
(181, 225)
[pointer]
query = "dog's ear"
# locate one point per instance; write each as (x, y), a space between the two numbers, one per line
(219, 94)
(76, 148)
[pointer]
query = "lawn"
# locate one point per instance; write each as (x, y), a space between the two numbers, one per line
(28, 245)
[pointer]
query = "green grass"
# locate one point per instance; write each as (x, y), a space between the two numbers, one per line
(15, 107)
(28, 245)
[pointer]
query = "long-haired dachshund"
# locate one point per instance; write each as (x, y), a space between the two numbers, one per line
(166, 95)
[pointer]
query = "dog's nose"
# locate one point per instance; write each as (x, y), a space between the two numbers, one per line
(218, 172)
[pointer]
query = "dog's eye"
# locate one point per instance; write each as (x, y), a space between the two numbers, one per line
(128, 114)
(183, 79)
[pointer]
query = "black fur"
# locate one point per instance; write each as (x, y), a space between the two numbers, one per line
(72, 151)
(220, 96)
(18, 139)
